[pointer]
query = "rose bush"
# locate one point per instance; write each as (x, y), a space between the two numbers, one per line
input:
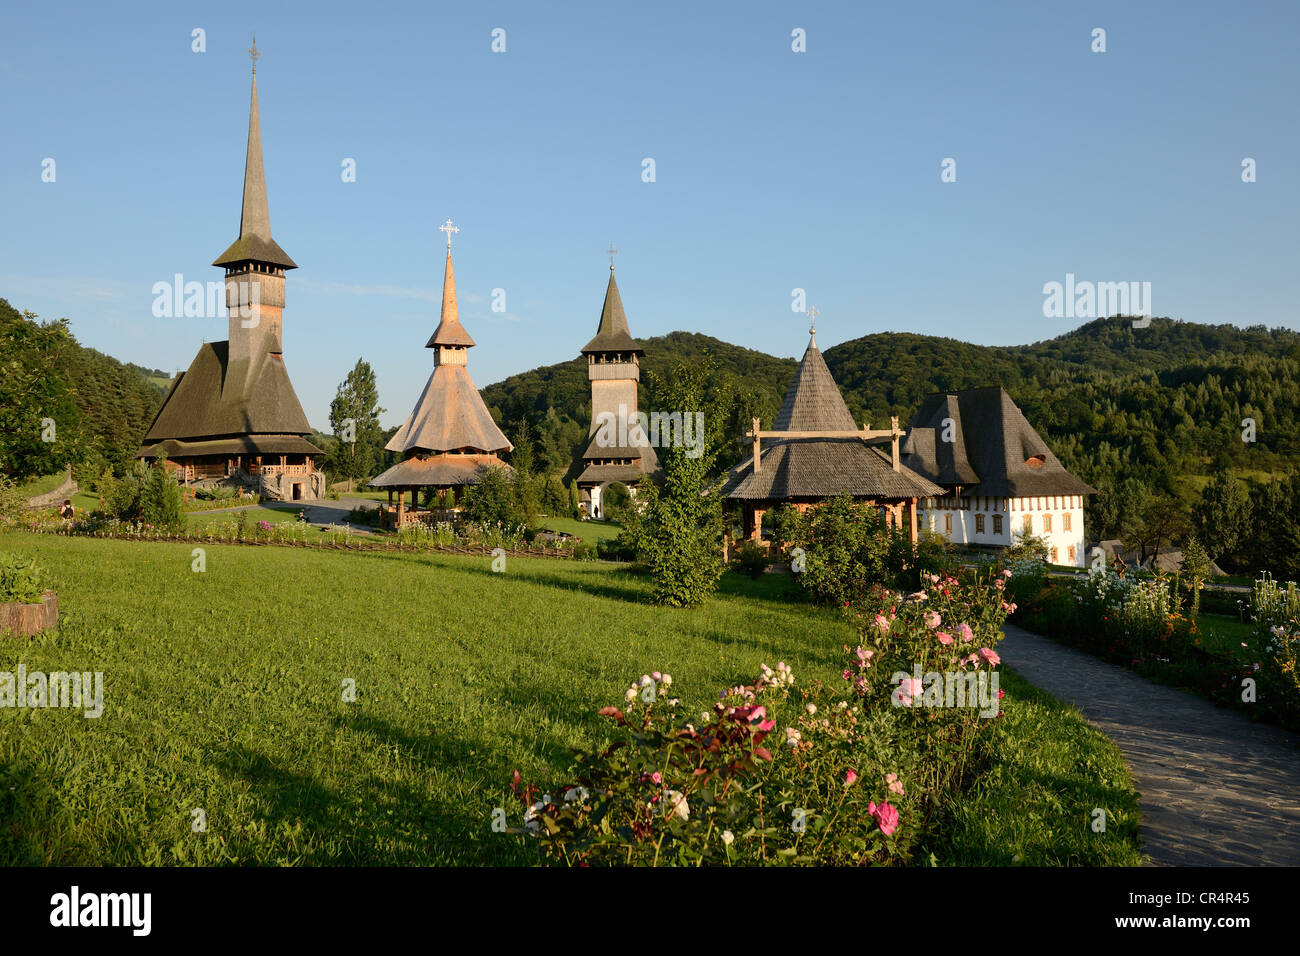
(827, 773)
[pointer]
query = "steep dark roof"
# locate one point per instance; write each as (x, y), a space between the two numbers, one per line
(992, 447)
(612, 335)
(820, 467)
(203, 405)
(255, 240)
(238, 445)
(813, 401)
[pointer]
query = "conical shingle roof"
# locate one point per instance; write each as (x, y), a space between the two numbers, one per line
(449, 330)
(612, 335)
(813, 401)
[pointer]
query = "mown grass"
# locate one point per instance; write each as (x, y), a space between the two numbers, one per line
(588, 531)
(42, 484)
(1035, 805)
(223, 692)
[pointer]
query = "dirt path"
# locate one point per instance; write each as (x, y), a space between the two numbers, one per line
(1216, 789)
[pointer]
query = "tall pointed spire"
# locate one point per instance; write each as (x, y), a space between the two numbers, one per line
(255, 242)
(256, 218)
(613, 335)
(449, 331)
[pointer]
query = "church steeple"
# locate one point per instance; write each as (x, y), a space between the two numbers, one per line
(255, 243)
(255, 266)
(450, 337)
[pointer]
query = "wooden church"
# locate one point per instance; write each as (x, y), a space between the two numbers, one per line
(449, 440)
(614, 371)
(232, 417)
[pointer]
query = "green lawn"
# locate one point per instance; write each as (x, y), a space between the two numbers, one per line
(1225, 635)
(588, 531)
(274, 514)
(223, 693)
(33, 487)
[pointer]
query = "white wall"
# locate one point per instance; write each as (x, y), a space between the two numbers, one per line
(1012, 512)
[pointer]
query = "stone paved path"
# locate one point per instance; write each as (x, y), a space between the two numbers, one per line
(1215, 788)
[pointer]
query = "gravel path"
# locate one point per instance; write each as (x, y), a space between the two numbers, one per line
(1216, 789)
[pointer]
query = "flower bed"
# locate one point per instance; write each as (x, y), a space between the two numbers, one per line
(1136, 621)
(856, 772)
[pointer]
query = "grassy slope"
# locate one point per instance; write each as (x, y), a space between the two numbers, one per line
(222, 692)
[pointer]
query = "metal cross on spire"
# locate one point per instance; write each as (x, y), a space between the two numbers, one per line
(611, 250)
(813, 312)
(253, 54)
(448, 228)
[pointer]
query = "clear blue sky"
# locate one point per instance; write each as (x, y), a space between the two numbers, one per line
(775, 170)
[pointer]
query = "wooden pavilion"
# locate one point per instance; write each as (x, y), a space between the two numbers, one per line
(815, 452)
(449, 441)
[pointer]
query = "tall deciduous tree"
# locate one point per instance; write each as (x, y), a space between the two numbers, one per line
(38, 417)
(354, 419)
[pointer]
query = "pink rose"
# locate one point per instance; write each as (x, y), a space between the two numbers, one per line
(945, 638)
(966, 633)
(849, 777)
(990, 655)
(881, 624)
(886, 817)
(932, 620)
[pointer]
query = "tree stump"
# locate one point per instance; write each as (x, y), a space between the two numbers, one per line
(24, 620)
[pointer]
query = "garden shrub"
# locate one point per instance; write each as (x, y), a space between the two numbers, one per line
(22, 580)
(751, 559)
(849, 548)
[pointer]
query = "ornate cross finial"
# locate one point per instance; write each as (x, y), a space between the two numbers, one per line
(253, 54)
(611, 250)
(448, 228)
(813, 312)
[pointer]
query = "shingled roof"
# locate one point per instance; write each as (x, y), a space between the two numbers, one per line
(994, 450)
(613, 335)
(448, 416)
(804, 468)
(255, 242)
(199, 407)
(813, 401)
(449, 330)
(437, 471)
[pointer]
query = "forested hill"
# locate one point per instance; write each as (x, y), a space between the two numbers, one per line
(100, 406)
